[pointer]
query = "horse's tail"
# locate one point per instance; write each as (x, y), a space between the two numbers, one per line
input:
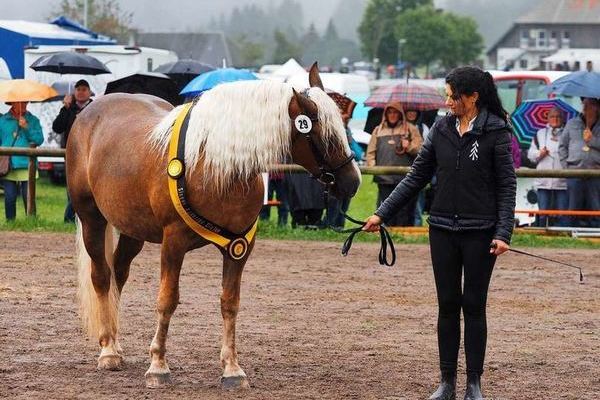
(89, 305)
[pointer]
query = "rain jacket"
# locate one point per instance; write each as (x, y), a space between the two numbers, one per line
(33, 134)
(476, 181)
(544, 138)
(571, 146)
(385, 146)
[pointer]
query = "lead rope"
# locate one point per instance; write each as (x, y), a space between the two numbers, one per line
(384, 235)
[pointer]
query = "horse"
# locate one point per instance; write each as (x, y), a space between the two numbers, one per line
(132, 180)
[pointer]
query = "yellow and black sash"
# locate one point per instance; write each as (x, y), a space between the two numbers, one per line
(235, 245)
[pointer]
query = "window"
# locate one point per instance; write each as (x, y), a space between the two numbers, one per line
(524, 34)
(541, 36)
(523, 64)
(566, 35)
(553, 35)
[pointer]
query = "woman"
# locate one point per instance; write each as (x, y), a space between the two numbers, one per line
(471, 218)
(394, 142)
(551, 192)
(18, 128)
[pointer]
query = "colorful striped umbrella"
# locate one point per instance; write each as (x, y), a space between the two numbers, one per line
(412, 97)
(532, 115)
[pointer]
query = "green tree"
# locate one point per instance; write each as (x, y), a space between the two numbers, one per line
(435, 36)
(249, 53)
(465, 43)
(376, 29)
(284, 49)
(103, 16)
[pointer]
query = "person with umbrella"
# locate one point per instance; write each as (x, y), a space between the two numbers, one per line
(72, 105)
(551, 192)
(394, 142)
(579, 148)
(471, 219)
(18, 128)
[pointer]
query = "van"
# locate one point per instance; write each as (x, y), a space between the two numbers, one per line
(120, 60)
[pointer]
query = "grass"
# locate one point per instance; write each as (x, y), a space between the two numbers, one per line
(51, 201)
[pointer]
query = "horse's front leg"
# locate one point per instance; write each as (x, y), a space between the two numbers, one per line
(233, 375)
(172, 253)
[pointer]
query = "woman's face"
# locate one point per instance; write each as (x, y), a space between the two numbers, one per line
(411, 115)
(461, 105)
(392, 116)
(554, 119)
(19, 107)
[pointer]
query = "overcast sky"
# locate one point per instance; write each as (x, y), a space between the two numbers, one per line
(172, 15)
(189, 15)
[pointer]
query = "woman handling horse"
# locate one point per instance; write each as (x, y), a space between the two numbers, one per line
(187, 177)
(471, 218)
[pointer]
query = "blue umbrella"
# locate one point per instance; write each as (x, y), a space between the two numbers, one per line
(210, 79)
(577, 84)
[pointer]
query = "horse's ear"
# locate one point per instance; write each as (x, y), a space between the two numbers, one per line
(313, 77)
(301, 104)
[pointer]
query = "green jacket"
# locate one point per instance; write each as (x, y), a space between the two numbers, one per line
(33, 134)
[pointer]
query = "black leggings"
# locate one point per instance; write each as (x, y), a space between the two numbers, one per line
(450, 253)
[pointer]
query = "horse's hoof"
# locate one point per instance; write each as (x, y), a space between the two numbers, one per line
(110, 362)
(155, 380)
(234, 382)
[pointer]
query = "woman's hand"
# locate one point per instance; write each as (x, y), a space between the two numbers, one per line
(22, 122)
(498, 247)
(405, 144)
(372, 224)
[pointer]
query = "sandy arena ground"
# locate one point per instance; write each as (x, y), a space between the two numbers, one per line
(312, 325)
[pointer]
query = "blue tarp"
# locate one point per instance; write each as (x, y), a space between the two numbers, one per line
(16, 36)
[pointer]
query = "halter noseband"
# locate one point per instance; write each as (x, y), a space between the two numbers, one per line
(326, 172)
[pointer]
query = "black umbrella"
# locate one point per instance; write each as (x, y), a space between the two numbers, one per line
(183, 71)
(70, 62)
(159, 85)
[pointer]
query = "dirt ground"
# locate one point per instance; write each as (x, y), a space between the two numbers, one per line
(312, 325)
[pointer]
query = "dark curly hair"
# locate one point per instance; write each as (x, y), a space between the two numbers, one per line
(468, 80)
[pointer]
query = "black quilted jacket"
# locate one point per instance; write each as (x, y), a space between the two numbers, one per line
(476, 178)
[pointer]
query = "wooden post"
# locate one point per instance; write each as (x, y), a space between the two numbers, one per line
(31, 209)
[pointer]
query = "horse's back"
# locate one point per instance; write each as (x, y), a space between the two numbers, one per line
(109, 159)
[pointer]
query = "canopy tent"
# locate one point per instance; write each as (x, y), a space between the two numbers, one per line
(291, 67)
(16, 35)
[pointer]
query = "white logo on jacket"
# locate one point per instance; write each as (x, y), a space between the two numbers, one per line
(474, 155)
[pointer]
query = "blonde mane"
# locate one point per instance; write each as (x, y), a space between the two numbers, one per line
(238, 129)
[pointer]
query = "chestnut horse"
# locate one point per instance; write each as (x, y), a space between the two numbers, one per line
(117, 159)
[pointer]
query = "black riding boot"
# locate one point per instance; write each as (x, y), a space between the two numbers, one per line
(473, 387)
(447, 388)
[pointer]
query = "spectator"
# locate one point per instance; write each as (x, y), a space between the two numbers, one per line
(516, 151)
(415, 118)
(551, 192)
(18, 128)
(338, 207)
(72, 105)
(579, 148)
(395, 142)
(277, 188)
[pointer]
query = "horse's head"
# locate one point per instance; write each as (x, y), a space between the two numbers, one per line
(319, 141)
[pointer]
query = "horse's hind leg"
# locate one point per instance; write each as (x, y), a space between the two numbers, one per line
(127, 249)
(233, 375)
(100, 304)
(172, 253)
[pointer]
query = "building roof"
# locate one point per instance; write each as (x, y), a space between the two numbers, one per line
(209, 48)
(557, 12)
(563, 12)
(49, 31)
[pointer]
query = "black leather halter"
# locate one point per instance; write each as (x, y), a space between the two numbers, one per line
(326, 171)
